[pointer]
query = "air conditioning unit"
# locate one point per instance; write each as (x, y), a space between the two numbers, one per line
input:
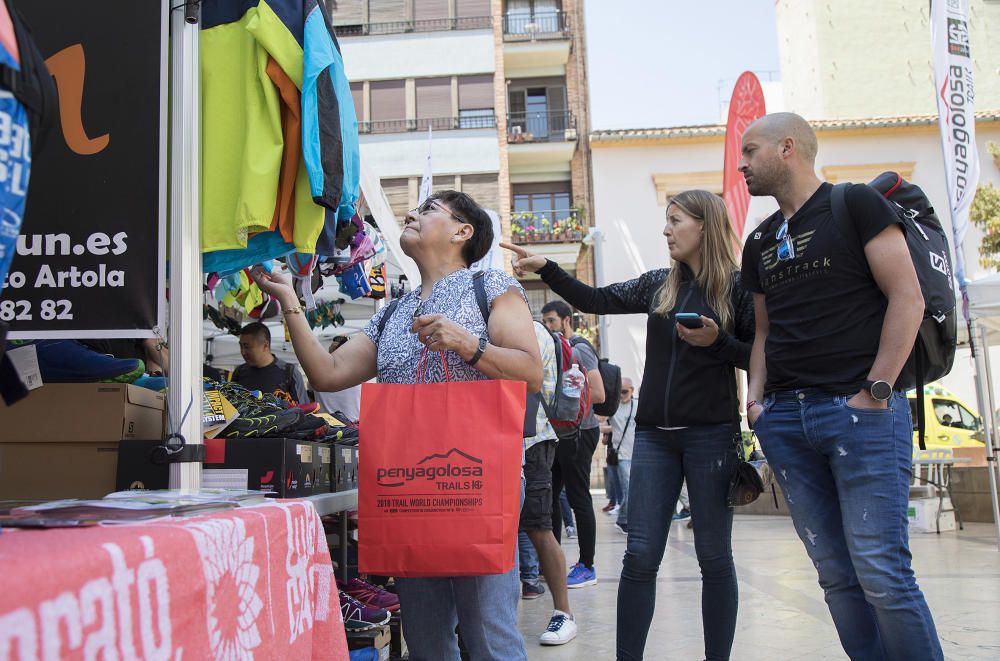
(571, 134)
(516, 130)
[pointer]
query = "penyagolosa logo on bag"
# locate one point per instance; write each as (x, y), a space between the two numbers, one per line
(453, 470)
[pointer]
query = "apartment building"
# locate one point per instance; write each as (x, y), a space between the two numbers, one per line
(502, 87)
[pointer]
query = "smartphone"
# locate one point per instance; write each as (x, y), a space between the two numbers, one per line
(689, 319)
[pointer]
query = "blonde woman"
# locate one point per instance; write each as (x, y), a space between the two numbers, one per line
(687, 420)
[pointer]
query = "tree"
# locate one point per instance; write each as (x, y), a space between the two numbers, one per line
(985, 213)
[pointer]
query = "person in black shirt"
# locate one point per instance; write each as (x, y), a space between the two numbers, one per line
(837, 307)
(687, 420)
(262, 371)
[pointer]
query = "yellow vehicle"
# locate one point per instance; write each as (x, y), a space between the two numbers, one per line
(948, 421)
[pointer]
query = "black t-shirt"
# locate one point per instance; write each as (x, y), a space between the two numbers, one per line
(824, 309)
(276, 376)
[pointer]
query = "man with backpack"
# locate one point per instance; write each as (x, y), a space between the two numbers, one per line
(838, 306)
(576, 447)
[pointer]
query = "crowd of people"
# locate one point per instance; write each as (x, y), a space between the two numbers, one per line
(821, 316)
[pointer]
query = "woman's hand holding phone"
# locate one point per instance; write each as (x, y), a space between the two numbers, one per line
(704, 336)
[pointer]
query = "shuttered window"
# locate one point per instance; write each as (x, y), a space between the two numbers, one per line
(483, 188)
(475, 92)
(433, 98)
(386, 11)
(388, 100)
(430, 10)
(346, 12)
(357, 93)
(473, 8)
(397, 191)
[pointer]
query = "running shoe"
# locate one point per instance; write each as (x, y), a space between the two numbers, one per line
(359, 617)
(531, 591)
(370, 595)
(580, 576)
(622, 528)
(570, 532)
(610, 506)
(683, 514)
(264, 426)
(561, 629)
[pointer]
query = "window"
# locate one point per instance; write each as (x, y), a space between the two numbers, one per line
(397, 192)
(347, 13)
(952, 414)
(386, 11)
(433, 100)
(550, 199)
(430, 10)
(475, 102)
(538, 295)
(483, 188)
(539, 110)
(472, 8)
(357, 94)
(388, 104)
(532, 16)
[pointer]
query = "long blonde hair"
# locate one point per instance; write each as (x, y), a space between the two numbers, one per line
(718, 256)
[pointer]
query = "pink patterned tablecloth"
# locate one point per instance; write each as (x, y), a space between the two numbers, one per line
(250, 583)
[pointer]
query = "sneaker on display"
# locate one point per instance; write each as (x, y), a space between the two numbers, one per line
(370, 595)
(580, 576)
(531, 590)
(358, 617)
(570, 532)
(561, 629)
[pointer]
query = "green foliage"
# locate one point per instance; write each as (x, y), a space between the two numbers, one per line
(994, 150)
(985, 213)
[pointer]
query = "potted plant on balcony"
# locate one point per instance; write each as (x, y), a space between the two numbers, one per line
(546, 229)
(516, 232)
(559, 230)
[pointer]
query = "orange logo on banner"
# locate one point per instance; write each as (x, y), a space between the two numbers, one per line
(68, 67)
(746, 105)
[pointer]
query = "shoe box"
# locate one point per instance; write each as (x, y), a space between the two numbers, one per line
(378, 638)
(61, 441)
(397, 645)
(283, 467)
(345, 467)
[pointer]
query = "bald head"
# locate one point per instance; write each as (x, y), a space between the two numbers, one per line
(781, 126)
(627, 389)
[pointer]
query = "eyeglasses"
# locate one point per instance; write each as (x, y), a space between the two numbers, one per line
(433, 205)
(786, 245)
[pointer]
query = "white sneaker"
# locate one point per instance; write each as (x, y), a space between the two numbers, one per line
(561, 630)
(613, 512)
(570, 532)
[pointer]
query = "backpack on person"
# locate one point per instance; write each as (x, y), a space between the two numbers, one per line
(568, 406)
(611, 375)
(934, 349)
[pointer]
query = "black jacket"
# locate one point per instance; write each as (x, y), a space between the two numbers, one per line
(682, 385)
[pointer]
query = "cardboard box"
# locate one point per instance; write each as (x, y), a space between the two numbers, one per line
(378, 638)
(922, 514)
(345, 467)
(286, 468)
(61, 441)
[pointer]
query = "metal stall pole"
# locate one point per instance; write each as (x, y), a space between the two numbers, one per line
(984, 390)
(595, 238)
(185, 395)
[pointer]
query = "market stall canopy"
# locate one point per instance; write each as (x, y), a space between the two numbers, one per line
(984, 305)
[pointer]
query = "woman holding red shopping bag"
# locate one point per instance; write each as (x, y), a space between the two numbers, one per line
(434, 334)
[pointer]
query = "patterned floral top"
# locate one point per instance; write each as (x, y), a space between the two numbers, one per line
(453, 296)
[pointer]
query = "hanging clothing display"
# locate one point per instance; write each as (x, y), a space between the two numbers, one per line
(280, 163)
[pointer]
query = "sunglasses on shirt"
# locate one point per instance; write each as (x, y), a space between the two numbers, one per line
(786, 245)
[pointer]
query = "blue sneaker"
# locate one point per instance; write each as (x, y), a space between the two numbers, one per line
(580, 576)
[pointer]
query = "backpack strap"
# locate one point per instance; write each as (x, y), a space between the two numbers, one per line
(479, 285)
(385, 317)
(550, 406)
(838, 204)
(921, 424)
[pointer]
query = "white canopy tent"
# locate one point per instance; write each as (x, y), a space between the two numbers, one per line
(984, 311)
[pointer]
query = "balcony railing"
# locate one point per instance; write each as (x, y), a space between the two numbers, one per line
(556, 226)
(541, 126)
(435, 123)
(402, 27)
(524, 27)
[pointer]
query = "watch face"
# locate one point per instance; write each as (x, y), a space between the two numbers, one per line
(881, 390)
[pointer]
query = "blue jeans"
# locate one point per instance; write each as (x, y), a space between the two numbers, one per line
(567, 511)
(845, 473)
(660, 461)
(527, 559)
(622, 470)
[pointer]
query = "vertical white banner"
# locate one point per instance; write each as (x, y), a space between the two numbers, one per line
(956, 115)
(427, 181)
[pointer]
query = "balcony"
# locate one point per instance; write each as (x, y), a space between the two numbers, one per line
(541, 126)
(435, 123)
(536, 227)
(406, 27)
(527, 27)
(541, 143)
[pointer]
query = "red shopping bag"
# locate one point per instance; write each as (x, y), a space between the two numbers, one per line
(439, 490)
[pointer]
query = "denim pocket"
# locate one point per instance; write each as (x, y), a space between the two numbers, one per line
(842, 400)
(765, 406)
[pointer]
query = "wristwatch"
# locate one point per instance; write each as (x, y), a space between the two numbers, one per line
(879, 390)
(479, 352)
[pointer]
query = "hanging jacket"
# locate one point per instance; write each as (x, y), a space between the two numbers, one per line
(682, 385)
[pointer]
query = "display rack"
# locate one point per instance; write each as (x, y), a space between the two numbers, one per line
(331, 503)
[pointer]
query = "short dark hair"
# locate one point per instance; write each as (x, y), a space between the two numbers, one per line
(258, 330)
(561, 308)
(468, 210)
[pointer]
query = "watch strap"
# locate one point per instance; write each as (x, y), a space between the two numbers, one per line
(479, 352)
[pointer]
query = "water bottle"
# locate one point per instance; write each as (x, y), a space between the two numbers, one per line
(573, 382)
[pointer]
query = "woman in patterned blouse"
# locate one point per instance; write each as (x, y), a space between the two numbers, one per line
(444, 236)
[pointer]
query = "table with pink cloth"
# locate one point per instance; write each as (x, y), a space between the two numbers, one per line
(248, 583)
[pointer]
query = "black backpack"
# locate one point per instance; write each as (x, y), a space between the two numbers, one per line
(611, 375)
(32, 85)
(934, 349)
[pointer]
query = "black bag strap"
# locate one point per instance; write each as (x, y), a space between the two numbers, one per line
(385, 317)
(479, 285)
(550, 406)
(921, 425)
(625, 428)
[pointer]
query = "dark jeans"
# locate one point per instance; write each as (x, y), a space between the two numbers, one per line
(661, 460)
(845, 473)
(572, 470)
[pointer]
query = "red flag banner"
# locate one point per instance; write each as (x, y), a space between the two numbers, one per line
(745, 106)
